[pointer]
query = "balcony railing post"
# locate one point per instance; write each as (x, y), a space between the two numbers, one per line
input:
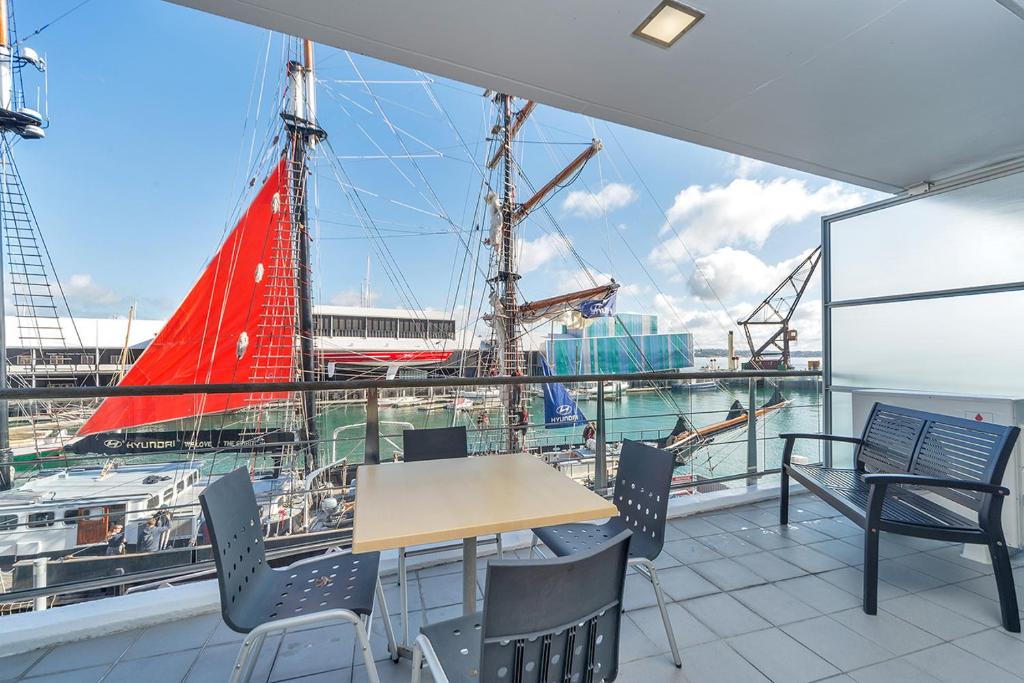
(39, 571)
(752, 429)
(600, 454)
(371, 451)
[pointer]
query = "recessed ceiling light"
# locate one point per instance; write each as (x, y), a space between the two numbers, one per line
(667, 23)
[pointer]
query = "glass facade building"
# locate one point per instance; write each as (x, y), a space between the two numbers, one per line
(627, 342)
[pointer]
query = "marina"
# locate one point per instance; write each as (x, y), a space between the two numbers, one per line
(401, 342)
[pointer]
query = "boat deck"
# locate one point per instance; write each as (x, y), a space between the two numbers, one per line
(752, 601)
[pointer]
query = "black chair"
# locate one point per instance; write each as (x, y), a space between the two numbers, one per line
(543, 620)
(258, 600)
(641, 495)
(419, 445)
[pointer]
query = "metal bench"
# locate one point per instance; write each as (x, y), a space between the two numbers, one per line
(917, 474)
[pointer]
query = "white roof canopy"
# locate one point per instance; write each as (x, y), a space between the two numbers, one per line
(882, 93)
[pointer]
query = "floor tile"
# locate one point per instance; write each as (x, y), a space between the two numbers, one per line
(894, 634)
(952, 553)
(765, 539)
(781, 658)
(727, 544)
(837, 644)
(214, 663)
(807, 559)
(906, 578)
(682, 583)
(836, 527)
(688, 630)
(634, 643)
(948, 662)
(439, 591)
(308, 652)
(694, 527)
(844, 552)
(639, 592)
(928, 563)
(15, 665)
(802, 534)
(774, 604)
(393, 597)
(716, 661)
(769, 567)
(690, 551)
(728, 521)
(165, 668)
(934, 618)
(83, 654)
(966, 603)
(997, 647)
(656, 668)
(892, 670)
(819, 594)
(727, 574)
(725, 615)
(84, 675)
(388, 672)
(184, 634)
(851, 580)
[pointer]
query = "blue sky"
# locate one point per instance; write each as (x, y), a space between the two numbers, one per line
(153, 111)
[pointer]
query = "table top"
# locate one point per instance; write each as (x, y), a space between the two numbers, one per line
(416, 503)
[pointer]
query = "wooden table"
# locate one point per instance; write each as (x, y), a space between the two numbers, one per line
(416, 503)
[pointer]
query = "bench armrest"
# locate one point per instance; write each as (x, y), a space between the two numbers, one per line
(820, 437)
(791, 437)
(883, 480)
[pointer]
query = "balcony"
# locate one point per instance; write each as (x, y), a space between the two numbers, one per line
(751, 601)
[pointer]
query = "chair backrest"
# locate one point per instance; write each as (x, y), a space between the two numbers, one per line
(434, 444)
(236, 535)
(641, 494)
(554, 619)
(890, 438)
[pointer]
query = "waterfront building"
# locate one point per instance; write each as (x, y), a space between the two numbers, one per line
(627, 342)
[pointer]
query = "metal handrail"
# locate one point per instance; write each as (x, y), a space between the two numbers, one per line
(36, 393)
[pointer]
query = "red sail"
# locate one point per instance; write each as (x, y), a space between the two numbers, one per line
(237, 324)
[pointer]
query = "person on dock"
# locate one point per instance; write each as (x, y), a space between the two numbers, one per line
(115, 540)
(590, 435)
(151, 534)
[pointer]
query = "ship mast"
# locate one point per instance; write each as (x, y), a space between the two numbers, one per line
(507, 319)
(6, 81)
(304, 133)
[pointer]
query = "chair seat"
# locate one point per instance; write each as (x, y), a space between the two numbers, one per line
(456, 643)
(568, 539)
(901, 505)
(334, 581)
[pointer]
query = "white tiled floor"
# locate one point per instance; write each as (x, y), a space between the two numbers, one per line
(752, 602)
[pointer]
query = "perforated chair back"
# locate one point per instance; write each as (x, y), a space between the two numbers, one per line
(641, 495)
(554, 619)
(434, 444)
(236, 535)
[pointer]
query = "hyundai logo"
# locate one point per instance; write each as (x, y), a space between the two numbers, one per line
(112, 443)
(564, 410)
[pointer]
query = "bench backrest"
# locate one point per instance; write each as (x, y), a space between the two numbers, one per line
(904, 440)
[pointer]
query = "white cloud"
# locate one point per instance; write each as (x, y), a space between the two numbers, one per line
(352, 297)
(729, 273)
(595, 204)
(535, 253)
(744, 212)
(87, 297)
(746, 167)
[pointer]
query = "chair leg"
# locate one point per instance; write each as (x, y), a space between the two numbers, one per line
(534, 548)
(1004, 583)
(784, 497)
(247, 656)
(403, 595)
(497, 541)
(388, 628)
(870, 571)
(652, 575)
(423, 651)
(364, 643)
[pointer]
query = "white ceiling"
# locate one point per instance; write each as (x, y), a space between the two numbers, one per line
(882, 93)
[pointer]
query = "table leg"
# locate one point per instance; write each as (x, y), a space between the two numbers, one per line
(469, 575)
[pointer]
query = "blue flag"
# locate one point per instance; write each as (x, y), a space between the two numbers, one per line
(598, 308)
(559, 408)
